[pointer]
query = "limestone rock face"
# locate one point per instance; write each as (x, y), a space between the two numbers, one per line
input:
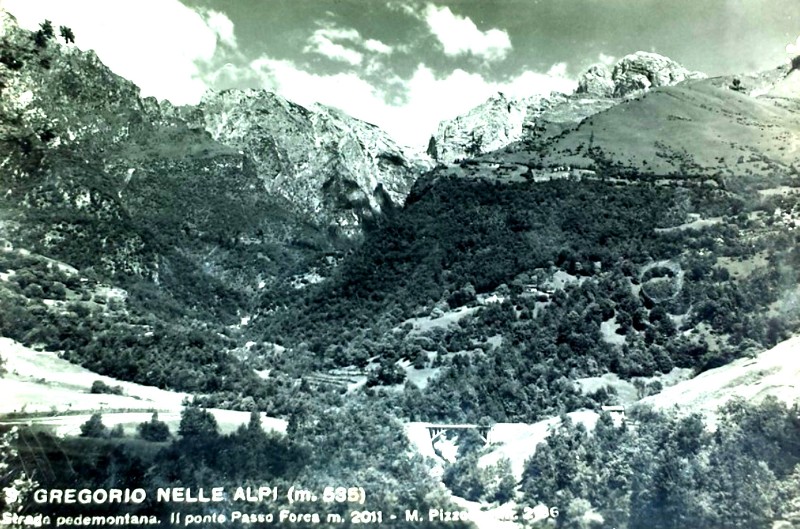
(501, 121)
(643, 70)
(597, 82)
(489, 126)
(637, 71)
(332, 167)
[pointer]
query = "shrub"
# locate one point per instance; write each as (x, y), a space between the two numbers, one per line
(155, 431)
(33, 291)
(67, 34)
(98, 386)
(12, 62)
(117, 431)
(94, 427)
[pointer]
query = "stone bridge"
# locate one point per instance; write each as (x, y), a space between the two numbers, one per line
(436, 431)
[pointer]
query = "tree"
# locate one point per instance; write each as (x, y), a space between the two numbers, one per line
(556, 469)
(33, 291)
(789, 492)
(44, 34)
(155, 431)
(506, 481)
(462, 296)
(387, 374)
(67, 34)
(743, 489)
(94, 427)
(580, 514)
(46, 27)
(465, 478)
(117, 431)
(667, 498)
(640, 385)
(197, 422)
(432, 151)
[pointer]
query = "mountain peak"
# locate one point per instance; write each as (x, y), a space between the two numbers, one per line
(596, 81)
(501, 119)
(494, 123)
(328, 164)
(637, 71)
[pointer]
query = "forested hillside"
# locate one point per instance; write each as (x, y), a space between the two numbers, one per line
(568, 264)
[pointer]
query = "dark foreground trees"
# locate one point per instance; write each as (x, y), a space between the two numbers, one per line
(94, 427)
(154, 430)
(669, 472)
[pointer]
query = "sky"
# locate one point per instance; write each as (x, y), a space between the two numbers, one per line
(405, 65)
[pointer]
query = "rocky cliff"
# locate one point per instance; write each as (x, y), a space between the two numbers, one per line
(330, 169)
(635, 72)
(487, 127)
(97, 176)
(333, 168)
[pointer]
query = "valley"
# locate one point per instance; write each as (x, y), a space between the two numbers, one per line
(583, 301)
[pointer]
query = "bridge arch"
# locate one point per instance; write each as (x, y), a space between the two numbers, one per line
(437, 431)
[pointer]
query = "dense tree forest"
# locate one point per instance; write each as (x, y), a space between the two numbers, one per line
(664, 471)
(353, 446)
(655, 470)
(455, 240)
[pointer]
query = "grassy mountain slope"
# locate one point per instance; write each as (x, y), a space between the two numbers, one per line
(772, 373)
(697, 128)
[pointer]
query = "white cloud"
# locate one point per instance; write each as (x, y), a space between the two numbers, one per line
(608, 60)
(346, 34)
(222, 26)
(377, 46)
(460, 36)
(533, 83)
(428, 98)
(402, 6)
(322, 41)
(558, 70)
(307, 88)
(331, 41)
(154, 43)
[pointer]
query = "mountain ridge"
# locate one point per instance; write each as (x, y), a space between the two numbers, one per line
(307, 156)
(501, 121)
